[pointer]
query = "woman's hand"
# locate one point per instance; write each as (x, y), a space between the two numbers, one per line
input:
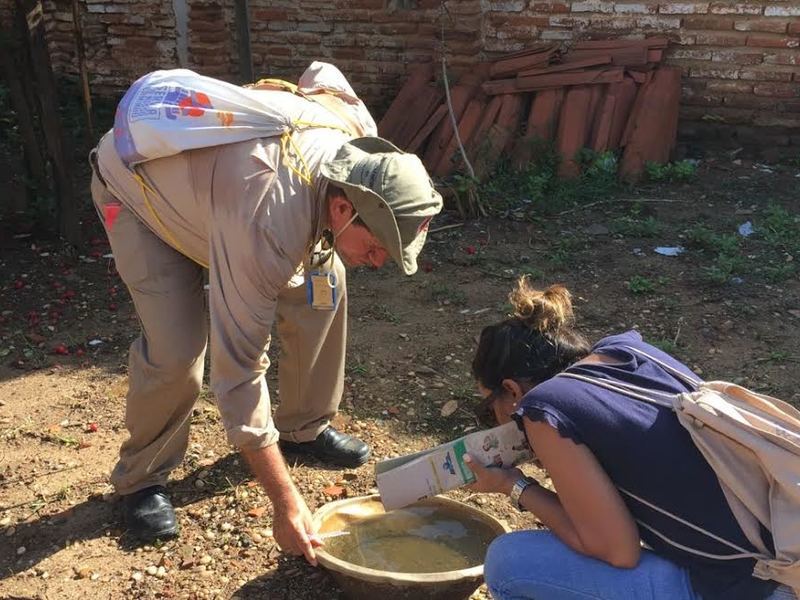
(493, 480)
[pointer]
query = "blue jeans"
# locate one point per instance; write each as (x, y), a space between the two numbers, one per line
(536, 564)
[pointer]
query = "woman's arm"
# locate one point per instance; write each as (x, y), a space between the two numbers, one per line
(587, 513)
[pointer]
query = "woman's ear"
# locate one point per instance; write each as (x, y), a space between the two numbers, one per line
(514, 389)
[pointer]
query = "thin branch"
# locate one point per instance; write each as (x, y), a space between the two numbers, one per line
(444, 227)
(616, 200)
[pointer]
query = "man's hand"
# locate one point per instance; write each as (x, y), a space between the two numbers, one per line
(492, 480)
(293, 529)
(291, 521)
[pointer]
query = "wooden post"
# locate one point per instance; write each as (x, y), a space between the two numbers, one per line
(87, 96)
(13, 74)
(243, 36)
(31, 29)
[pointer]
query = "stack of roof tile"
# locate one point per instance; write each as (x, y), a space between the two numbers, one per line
(601, 94)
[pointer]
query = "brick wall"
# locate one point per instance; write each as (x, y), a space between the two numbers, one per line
(741, 59)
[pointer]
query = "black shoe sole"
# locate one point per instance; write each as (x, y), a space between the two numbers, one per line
(295, 448)
(147, 536)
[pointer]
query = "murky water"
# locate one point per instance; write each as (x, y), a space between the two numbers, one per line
(417, 539)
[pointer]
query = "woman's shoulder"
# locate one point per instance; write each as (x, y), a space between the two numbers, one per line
(620, 340)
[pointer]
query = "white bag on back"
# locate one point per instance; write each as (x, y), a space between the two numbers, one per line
(167, 112)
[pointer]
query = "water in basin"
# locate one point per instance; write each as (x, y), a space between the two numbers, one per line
(416, 539)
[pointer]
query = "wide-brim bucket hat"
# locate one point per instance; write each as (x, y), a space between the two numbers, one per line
(392, 193)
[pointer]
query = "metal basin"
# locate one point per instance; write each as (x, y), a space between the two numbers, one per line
(364, 583)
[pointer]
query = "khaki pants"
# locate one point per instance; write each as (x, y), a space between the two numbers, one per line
(166, 362)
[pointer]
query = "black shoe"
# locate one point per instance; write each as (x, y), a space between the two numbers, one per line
(149, 514)
(332, 447)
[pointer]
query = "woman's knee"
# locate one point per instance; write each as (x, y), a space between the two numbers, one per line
(515, 553)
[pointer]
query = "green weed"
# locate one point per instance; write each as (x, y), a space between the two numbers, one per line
(641, 286)
(536, 188)
(779, 273)
(640, 228)
(561, 253)
(683, 170)
(781, 228)
(441, 293)
(665, 344)
(724, 267)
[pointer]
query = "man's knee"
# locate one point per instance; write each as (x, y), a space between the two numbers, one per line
(181, 357)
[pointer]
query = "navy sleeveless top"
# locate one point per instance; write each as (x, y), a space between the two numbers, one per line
(644, 449)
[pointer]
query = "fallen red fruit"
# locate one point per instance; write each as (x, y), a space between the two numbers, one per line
(19, 284)
(61, 349)
(470, 250)
(91, 427)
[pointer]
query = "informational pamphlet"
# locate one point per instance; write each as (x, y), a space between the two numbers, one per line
(407, 479)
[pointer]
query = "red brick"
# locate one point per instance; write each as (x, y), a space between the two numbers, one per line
(768, 74)
(714, 72)
(547, 7)
(763, 25)
(794, 27)
(269, 14)
(735, 8)
(683, 8)
(725, 87)
(777, 90)
(702, 100)
(737, 57)
(397, 28)
(764, 41)
(749, 101)
(720, 39)
(690, 53)
(782, 58)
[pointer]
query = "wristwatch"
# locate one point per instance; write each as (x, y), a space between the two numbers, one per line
(520, 485)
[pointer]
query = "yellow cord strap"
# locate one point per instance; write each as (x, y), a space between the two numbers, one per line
(170, 238)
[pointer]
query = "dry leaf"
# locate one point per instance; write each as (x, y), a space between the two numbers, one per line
(449, 408)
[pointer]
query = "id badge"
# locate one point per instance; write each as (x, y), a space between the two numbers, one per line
(321, 290)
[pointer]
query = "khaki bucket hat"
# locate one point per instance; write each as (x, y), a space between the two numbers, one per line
(392, 193)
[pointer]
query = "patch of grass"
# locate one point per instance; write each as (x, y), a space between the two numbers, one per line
(532, 272)
(358, 370)
(382, 312)
(727, 247)
(561, 253)
(536, 188)
(640, 228)
(683, 170)
(442, 293)
(640, 286)
(725, 267)
(779, 273)
(703, 238)
(666, 345)
(781, 229)
(779, 356)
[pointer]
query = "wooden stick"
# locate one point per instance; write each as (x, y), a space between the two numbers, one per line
(87, 96)
(444, 227)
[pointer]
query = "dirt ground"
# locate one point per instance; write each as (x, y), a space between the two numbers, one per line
(729, 306)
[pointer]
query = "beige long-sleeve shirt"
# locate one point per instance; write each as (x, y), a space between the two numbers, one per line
(239, 210)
